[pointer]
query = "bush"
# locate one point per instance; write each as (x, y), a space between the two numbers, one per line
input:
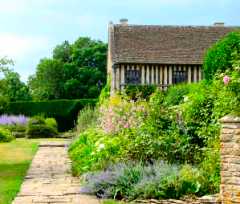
(139, 91)
(87, 118)
(135, 180)
(219, 57)
(5, 135)
(51, 122)
(210, 167)
(93, 150)
(64, 111)
(121, 113)
(175, 94)
(18, 130)
(16, 124)
(38, 128)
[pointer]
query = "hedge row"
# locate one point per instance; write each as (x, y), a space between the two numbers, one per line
(64, 111)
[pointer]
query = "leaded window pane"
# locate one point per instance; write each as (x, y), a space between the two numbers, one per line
(133, 77)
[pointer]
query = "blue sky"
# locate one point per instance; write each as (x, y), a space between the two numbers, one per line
(30, 29)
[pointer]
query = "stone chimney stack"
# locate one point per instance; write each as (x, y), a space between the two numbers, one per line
(219, 24)
(124, 21)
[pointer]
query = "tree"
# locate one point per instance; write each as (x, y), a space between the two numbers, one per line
(220, 56)
(74, 71)
(63, 52)
(11, 87)
(90, 53)
(47, 83)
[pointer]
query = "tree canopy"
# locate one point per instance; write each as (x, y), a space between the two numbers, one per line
(220, 56)
(76, 70)
(11, 87)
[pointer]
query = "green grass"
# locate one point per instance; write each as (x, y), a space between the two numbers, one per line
(15, 158)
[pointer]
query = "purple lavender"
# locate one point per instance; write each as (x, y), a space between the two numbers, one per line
(13, 120)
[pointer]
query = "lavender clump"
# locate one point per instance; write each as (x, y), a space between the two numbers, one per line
(13, 120)
(128, 180)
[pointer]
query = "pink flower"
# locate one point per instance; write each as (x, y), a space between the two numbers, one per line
(226, 79)
(126, 125)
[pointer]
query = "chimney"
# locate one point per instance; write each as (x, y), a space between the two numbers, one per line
(219, 24)
(124, 21)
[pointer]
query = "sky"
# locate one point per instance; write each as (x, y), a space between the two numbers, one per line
(30, 29)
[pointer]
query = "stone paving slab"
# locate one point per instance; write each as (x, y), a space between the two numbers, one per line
(49, 179)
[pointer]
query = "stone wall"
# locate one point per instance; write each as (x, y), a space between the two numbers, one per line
(230, 160)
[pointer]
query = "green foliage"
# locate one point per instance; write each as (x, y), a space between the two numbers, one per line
(105, 93)
(63, 52)
(11, 87)
(51, 122)
(47, 82)
(76, 71)
(139, 91)
(219, 57)
(5, 135)
(210, 167)
(158, 180)
(87, 118)
(175, 94)
(38, 127)
(18, 130)
(4, 102)
(94, 150)
(64, 111)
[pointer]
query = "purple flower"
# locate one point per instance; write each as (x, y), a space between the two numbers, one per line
(13, 120)
(226, 79)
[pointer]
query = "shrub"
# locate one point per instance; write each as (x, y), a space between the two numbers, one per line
(175, 94)
(87, 118)
(16, 124)
(210, 167)
(139, 91)
(37, 128)
(18, 131)
(64, 111)
(136, 180)
(93, 150)
(219, 57)
(13, 120)
(120, 113)
(5, 135)
(51, 122)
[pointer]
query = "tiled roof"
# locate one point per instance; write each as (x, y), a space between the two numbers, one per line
(163, 44)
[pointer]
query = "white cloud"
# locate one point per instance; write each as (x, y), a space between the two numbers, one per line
(18, 47)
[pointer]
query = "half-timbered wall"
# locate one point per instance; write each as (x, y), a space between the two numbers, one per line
(154, 74)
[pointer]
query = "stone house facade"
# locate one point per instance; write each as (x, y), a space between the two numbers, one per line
(159, 55)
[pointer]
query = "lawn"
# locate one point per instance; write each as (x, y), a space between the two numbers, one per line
(15, 158)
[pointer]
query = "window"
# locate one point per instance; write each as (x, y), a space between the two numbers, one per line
(133, 77)
(179, 76)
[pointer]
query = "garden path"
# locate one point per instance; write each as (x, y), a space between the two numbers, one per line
(49, 178)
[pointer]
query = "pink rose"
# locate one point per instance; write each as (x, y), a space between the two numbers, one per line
(226, 79)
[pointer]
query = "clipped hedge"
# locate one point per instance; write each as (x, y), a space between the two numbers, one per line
(64, 111)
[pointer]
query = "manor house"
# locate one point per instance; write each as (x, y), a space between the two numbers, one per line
(159, 55)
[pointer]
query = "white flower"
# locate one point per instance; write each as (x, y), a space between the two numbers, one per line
(185, 99)
(100, 147)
